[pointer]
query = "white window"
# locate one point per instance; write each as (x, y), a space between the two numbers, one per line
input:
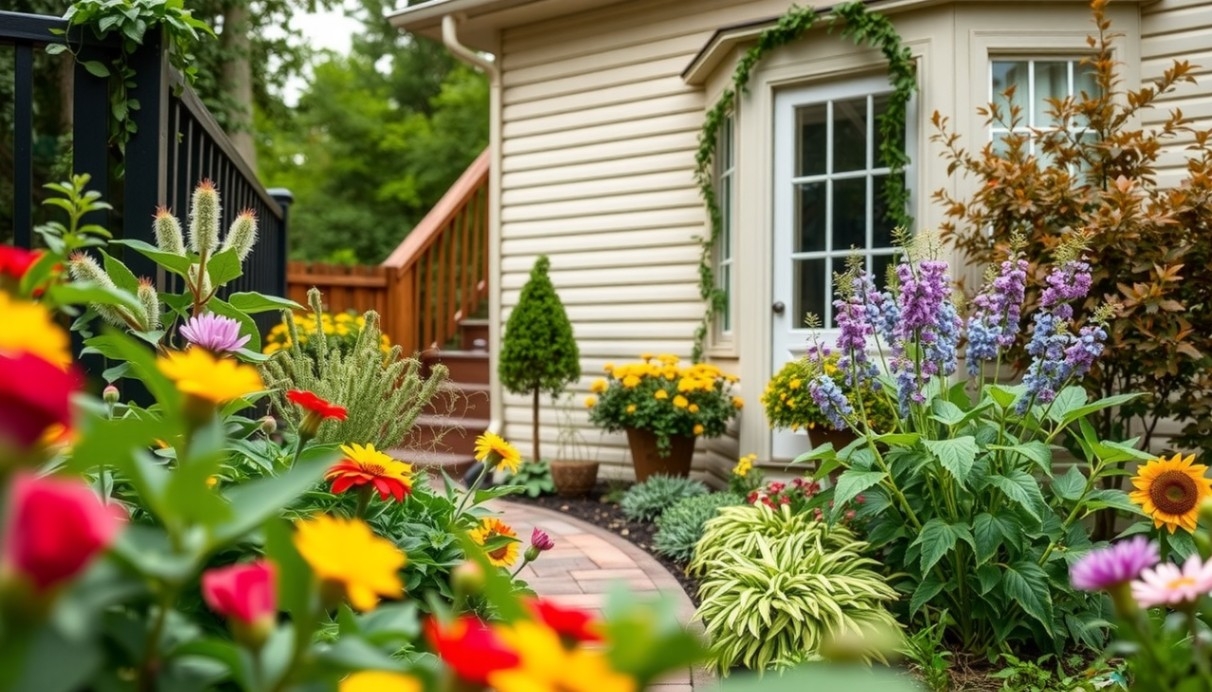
(725, 176)
(1035, 83)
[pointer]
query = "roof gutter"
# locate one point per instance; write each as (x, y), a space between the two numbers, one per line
(450, 38)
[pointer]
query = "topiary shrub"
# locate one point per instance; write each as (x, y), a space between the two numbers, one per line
(538, 352)
(645, 501)
(680, 527)
(777, 586)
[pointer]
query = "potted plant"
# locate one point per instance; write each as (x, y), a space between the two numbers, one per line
(573, 473)
(538, 351)
(663, 405)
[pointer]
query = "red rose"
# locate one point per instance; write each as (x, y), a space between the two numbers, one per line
(470, 648)
(34, 395)
(55, 527)
(247, 593)
(15, 261)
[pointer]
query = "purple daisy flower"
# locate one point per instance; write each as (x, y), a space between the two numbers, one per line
(1099, 570)
(214, 333)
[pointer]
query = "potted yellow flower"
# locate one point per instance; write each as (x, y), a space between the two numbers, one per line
(789, 404)
(663, 405)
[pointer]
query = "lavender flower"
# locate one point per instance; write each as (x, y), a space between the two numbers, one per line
(828, 397)
(997, 311)
(1084, 349)
(856, 314)
(1066, 283)
(1048, 369)
(921, 297)
(1100, 570)
(927, 318)
(214, 333)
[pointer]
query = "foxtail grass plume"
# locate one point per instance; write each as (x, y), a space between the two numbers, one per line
(84, 268)
(242, 235)
(150, 300)
(168, 232)
(204, 219)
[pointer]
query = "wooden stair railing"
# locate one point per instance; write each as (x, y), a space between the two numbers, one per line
(439, 274)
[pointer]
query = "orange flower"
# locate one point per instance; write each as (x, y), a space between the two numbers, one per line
(370, 467)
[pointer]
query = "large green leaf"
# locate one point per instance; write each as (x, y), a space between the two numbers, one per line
(252, 302)
(926, 590)
(87, 293)
(1066, 400)
(121, 275)
(1106, 402)
(852, 483)
(1070, 485)
(946, 412)
(936, 540)
(1026, 584)
(956, 455)
(1002, 395)
(176, 264)
(1036, 451)
(1022, 489)
(253, 502)
(223, 267)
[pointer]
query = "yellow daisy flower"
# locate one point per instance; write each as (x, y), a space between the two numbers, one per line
(29, 328)
(493, 450)
(693, 408)
(630, 408)
(547, 666)
(631, 381)
(661, 394)
(1171, 490)
(599, 386)
(698, 428)
(379, 681)
(490, 528)
(681, 401)
(199, 373)
(591, 401)
(346, 554)
(738, 402)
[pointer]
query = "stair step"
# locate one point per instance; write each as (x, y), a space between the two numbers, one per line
(465, 366)
(460, 400)
(460, 433)
(455, 465)
(473, 334)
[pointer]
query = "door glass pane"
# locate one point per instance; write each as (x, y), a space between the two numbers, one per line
(811, 283)
(810, 223)
(1006, 74)
(1051, 82)
(882, 222)
(850, 135)
(850, 214)
(813, 133)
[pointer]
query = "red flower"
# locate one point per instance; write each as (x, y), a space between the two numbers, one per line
(247, 593)
(314, 404)
(34, 394)
(569, 623)
(470, 648)
(55, 527)
(15, 261)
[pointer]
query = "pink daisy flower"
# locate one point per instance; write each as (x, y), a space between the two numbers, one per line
(1102, 569)
(214, 333)
(1168, 584)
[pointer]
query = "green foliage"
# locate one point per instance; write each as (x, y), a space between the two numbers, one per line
(1047, 675)
(928, 658)
(1148, 244)
(538, 352)
(384, 394)
(779, 586)
(645, 501)
(864, 28)
(681, 525)
(788, 400)
(534, 477)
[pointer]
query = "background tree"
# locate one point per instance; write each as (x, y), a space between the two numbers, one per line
(538, 352)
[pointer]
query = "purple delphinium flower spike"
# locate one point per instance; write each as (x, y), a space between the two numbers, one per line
(927, 318)
(214, 333)
(830, 400)
(1100, 570)
(1066, 283)
(856, 314)
(1056, 354)
(997, 311)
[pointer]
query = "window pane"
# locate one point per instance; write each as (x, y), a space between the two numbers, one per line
(1006, 74)
(850, 214)
(882, 222)
(879, 105)
(814, 139)
(879, 269)
(1051, 82)
(811, 221)
(811, 277)
(726, 218)
(726, 284)
(850, 135)
(726, 144)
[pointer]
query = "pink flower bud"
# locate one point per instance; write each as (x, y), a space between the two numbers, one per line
(110, 394)
(541, 541)
(55, 527)
(247, 595)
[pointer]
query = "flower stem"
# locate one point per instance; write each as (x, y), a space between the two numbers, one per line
(364, 495)
(472, 489)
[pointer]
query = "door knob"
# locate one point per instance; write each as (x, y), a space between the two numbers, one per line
(778, 307)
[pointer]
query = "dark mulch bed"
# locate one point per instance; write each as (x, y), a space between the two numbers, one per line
(600, 509)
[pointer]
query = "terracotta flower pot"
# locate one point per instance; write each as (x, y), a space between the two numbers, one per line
(574, 478)
(647, 458)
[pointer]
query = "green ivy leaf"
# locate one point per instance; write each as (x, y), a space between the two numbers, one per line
(96, 68)
(956, 455)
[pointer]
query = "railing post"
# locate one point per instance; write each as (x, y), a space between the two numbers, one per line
(23, 146)
(284, 198)
(146, 160)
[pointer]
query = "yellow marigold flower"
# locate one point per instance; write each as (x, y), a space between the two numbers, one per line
(199, 373)
(599, 385)
(794, 384)
(630, 408)
(379, 681)
(608, 368)
(493, 450)
(1171, 490)
(693, 408)
(680, 401)
(645, 357)
(661, 394)
(738, 402)
(591, 401)
(698, 429)
(29, 328)
(545, 664)
(732, 378)
(631, 381)
(346, 554)
(490, 528)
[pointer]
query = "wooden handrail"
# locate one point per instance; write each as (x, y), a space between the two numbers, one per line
(428, 231)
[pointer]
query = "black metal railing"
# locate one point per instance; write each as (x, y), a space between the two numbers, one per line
(177, 143)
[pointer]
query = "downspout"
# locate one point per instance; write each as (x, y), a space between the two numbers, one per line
(450, 38)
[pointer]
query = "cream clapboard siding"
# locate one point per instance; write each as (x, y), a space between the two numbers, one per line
(594, 106)
(1178, 30)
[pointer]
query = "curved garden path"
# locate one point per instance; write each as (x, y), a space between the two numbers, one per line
(586, 562)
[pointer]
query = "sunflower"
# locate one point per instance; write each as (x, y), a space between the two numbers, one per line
(1171, 490)
(490, 528)
(370, 467)
(494, 451)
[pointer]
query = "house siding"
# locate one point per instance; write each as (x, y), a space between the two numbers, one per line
(1178, 30)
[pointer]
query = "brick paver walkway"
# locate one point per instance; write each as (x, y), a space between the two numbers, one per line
(586, 562)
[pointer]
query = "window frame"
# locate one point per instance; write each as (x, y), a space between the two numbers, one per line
(1072, 59)
(724, 253)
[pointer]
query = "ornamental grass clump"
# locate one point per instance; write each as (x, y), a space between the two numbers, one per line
(680, 527)
(665, 397)
(645, 501)
(962, 502)
(777, 587)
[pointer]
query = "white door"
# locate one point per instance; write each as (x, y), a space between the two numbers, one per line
(828, 205)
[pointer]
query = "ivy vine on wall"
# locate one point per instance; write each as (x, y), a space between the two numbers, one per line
(864, 28)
